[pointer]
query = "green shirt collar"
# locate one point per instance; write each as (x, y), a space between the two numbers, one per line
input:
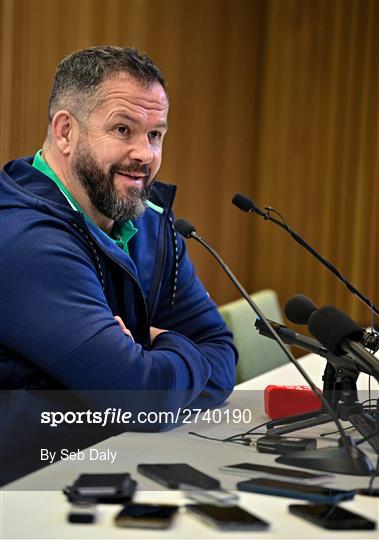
(121, 233)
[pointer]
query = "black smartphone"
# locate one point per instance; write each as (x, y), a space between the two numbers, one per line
(227, 518)
(82, 512)
(172, 475)
(268, 486)
(332, 517)
(110, 488)
(293, 475)
(151, 516)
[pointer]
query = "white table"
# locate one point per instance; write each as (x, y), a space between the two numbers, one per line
(288, 374)
(29, 511)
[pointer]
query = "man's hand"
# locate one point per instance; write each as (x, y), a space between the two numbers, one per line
(154, 332)
(123, 327)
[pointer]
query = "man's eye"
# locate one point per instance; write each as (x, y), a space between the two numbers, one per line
(122, 130)
(155, 135)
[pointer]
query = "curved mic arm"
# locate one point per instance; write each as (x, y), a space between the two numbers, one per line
(244, 203)
(323, 261)
(191, 233)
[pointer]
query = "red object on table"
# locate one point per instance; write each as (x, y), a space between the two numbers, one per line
(281, 401)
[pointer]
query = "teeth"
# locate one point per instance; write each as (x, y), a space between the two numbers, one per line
(131, 176)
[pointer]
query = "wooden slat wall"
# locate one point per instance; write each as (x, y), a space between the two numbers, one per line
(318, 148)
(275, 98)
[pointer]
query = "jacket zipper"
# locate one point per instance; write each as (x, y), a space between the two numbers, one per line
(158, 275)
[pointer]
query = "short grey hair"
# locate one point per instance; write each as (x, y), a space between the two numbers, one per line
(76, 84)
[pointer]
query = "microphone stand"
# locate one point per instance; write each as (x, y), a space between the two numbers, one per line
(343, 364)
(312, 418)
(362, 423)
(347, 409)
(345, 459)
(339, 390)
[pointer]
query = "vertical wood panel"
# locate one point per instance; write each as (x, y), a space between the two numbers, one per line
(6, 69)
(318, 145)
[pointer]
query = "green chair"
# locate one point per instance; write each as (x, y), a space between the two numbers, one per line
(257, 354)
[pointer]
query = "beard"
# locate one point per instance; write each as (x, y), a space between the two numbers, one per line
(100, 186)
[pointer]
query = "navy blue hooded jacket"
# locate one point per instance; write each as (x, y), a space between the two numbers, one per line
(62, 280)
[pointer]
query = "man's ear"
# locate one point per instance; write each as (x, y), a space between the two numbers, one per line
(62, 126)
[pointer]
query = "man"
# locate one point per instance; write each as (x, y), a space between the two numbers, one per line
(97, 291)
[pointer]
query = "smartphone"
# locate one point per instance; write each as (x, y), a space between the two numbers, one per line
(110, 488)
(332, 517)
(172, 475)
(82, 512)
(319, 494)
(227, 518)
(221, 497)
(150, 516)
(290, 475)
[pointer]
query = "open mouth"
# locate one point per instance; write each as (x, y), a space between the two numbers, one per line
(133, 177)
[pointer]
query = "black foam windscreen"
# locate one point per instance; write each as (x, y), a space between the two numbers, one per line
(331, 327)
(299, 308)
(185, 228)
(242, 202)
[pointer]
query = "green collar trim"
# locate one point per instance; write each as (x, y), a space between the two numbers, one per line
(121, 233)
(40, 164)
(154, 207)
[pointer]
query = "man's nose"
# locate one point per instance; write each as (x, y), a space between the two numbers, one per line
(141, 150)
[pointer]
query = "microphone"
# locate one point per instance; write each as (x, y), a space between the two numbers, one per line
(355, 458)
(340, 335)
(246, 205)
(299, 308)
(290, 337)
(185, 228)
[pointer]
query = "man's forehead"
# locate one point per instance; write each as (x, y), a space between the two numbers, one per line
(122, 115)
(123, 86)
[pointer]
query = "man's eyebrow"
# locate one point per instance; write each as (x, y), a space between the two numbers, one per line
(121, 114)
(163, 125)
